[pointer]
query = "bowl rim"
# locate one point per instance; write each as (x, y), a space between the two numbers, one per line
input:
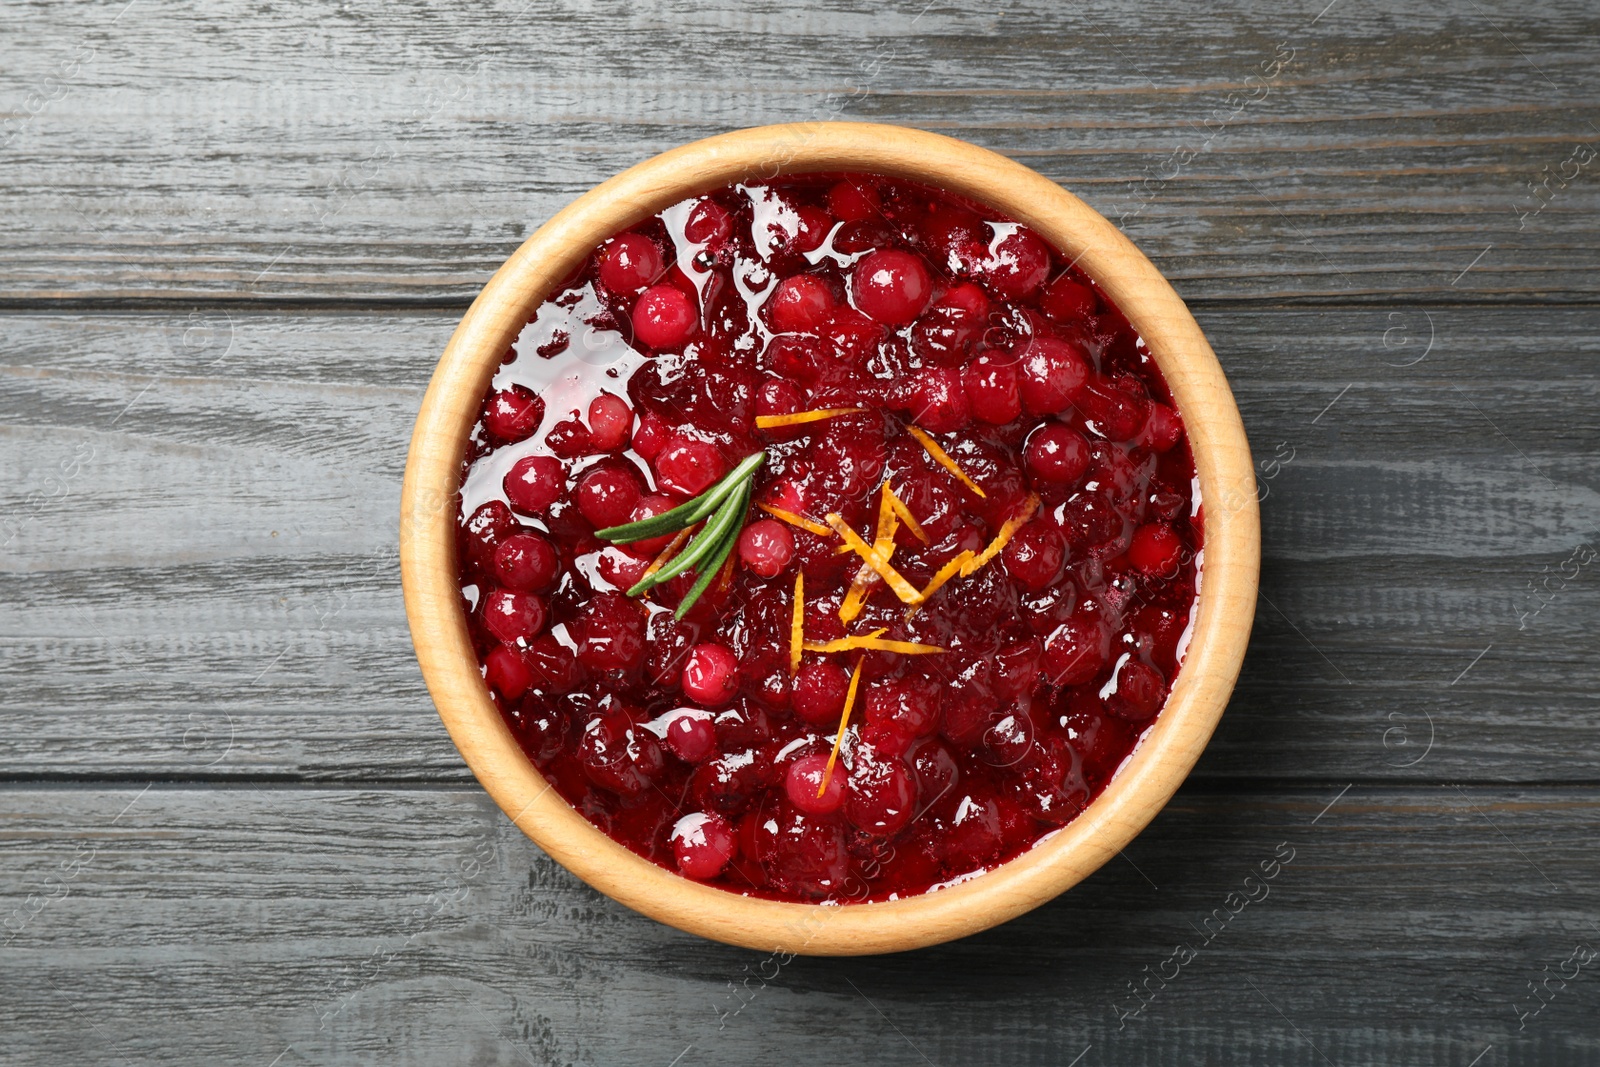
(1147, 779)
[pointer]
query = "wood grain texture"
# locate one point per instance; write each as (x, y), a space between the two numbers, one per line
(214, 571)
(420, 927)
(374, 152)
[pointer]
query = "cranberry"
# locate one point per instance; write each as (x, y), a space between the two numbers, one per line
(1067, 300)
(1052, 372)
(801, 304)
(852, 201)
(688, 467)
(629, 262)
(607, 495)
(649, 507)
(570, 438)
(1112, 412)
(690, 735)
(612, 629)
(618, 755)
(664, 317)
(819, 692)
(1156, 550)
(703, 845)
(1056, 454)
(935, 768)
(709, 224)
(972, 837)
(1163, 428)
(779, 396)
(896, 713)
(506, 672)
(554, 668)
(1009, 739)
(1017, 266)
(939, 402)
(892, 287)
(1137, 691)
(512, 415)
(882, 794)
(711, 675)
(610, 422)
(800, 854)
(992, 389)
(526, 562)
(766, 547)
(650, 436)
(1035, 556)
(1076, 651)
(484, 530)
(803, 785)
(512, 616)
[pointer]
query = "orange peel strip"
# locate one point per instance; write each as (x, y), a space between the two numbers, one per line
(671, 550)
(905, 515)
(844, 722)
(875, 559)
(942, 458)
(797, 624)
(956, 566)
(795, 418)
(799, 521)
(1010, 527)
(843, 644)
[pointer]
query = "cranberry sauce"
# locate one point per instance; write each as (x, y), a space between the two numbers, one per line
(969, 457)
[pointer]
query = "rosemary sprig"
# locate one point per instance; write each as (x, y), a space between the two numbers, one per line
(726, 503)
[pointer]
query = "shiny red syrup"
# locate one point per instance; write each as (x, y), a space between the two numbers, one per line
(875, 338)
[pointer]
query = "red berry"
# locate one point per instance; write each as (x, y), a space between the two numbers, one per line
(484, 530)
(526, 562)
(819, 692)
(703, 845)
(1052, 371)
(607, 495)
(650, 437)
(804, 781)
(690, 735)
(711, 675)
(892, 287)
(709, 224)
(1056, 454)
(801, 304)
(610, 631)
(1068, 300)
(992, 389)
(1036, 556)
(766, 546)
(506, 672)
(555, 669)
(664, 317)
(1137, 690)
(512, 415)
(1076, 651)
(618, 755)
(939, 401)
(629, 262)
(1156, 550)
(688, 466)
(1162, 429)
(649, 507)
(882, 794)
(852, 201)
(1017, 266)
(610, 420)
(1111, 411)
(512, 616)
(896, 713)
(569, 438)
(780, 396)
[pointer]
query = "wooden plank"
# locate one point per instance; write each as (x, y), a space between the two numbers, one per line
(379, 153)
(212, 589)
(333, 926)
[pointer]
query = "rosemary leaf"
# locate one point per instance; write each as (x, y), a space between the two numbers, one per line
(714, 564)
(729, 516)
(688, 513)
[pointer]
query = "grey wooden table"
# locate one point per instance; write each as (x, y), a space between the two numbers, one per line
(233, 241)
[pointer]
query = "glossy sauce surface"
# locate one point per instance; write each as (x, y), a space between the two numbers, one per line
(945, 355)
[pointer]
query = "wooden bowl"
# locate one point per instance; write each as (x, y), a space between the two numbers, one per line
(1143, 785)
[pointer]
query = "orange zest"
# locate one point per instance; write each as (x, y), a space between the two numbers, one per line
(948, 571)
(843, 644)
(799, 521)
(875, 642)
(795, 418)
(883, 544)
(797, 625)
(844, 722)
(942, 458)
(876, 560)
(1010, 527)
(904, 514)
